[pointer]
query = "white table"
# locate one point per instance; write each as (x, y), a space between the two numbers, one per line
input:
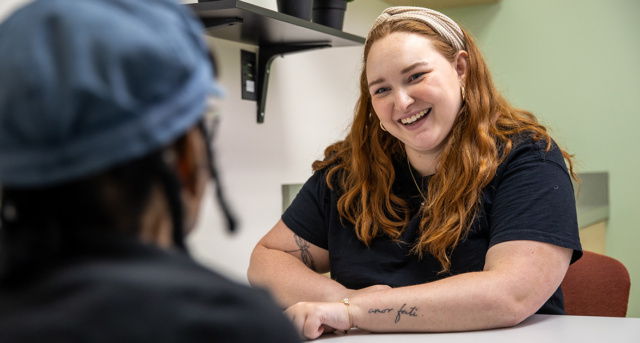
(536, 329)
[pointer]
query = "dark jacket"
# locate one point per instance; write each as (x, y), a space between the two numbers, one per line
(117, 289)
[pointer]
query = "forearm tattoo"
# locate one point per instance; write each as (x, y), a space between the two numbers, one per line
(305, 254)
(411, 312)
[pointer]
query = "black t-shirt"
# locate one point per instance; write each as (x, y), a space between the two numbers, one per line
(116, 289)
(530, 198)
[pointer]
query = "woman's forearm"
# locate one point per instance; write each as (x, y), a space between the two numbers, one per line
(519, 277)
(471, 301)
(289, 280)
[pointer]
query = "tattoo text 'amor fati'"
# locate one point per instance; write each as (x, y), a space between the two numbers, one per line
(411, 311)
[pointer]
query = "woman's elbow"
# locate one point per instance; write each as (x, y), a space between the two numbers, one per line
(253, 272)
(516, 317)
(516, 311)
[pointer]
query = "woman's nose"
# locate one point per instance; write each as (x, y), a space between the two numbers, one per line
(403, 100)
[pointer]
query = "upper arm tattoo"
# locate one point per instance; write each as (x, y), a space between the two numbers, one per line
(305, 254)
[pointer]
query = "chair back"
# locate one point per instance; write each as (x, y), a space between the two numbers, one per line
(596, 285)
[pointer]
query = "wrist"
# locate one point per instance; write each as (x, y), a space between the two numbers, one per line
(346, 302)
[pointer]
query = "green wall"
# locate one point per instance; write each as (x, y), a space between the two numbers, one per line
(576, 65)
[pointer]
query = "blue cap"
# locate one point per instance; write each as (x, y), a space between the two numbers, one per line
(86, 85)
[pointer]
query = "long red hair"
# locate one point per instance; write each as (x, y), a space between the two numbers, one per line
(361, 165)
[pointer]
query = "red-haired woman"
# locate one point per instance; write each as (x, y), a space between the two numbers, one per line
(444, 208)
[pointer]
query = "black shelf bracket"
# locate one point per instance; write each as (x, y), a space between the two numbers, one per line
(215, 23)
(266, 55)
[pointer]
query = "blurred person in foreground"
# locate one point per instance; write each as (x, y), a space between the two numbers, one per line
(443, 209)
(104, 158)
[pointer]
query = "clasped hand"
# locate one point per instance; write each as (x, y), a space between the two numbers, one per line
(312, 319)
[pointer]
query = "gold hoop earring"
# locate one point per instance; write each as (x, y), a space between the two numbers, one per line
(463, 95)
(382, 127)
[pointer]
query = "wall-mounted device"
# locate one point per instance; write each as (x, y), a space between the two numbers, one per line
(248, 74)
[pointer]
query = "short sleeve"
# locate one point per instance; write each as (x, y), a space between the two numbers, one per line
(307, 214)
(534, 199)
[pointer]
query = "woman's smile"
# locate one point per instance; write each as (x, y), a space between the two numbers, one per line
(412, 120)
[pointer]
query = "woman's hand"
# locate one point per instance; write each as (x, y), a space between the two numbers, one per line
(313, 319)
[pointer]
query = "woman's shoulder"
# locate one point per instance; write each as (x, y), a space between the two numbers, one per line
(527, 147)
(530, 154)
(330, 172)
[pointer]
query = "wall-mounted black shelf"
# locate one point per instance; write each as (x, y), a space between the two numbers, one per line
(274, 33)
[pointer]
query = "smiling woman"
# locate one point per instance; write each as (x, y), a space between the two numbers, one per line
(443, 209)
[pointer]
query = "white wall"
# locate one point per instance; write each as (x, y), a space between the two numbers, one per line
(310, 102)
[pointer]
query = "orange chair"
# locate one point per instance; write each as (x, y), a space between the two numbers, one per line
(596, 285)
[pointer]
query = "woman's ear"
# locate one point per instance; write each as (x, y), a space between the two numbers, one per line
(461, 65)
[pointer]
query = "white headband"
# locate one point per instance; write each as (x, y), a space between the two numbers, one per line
(439, 22)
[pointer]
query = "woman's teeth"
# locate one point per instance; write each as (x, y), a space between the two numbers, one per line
(415, 117)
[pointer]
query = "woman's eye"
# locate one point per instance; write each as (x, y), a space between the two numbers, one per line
(380, 90)
(415, 76)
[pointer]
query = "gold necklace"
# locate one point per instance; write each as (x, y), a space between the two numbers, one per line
(416, 182)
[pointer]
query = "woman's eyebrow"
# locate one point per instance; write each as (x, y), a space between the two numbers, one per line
(403, 71)
(375, 82)
(413, 66)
